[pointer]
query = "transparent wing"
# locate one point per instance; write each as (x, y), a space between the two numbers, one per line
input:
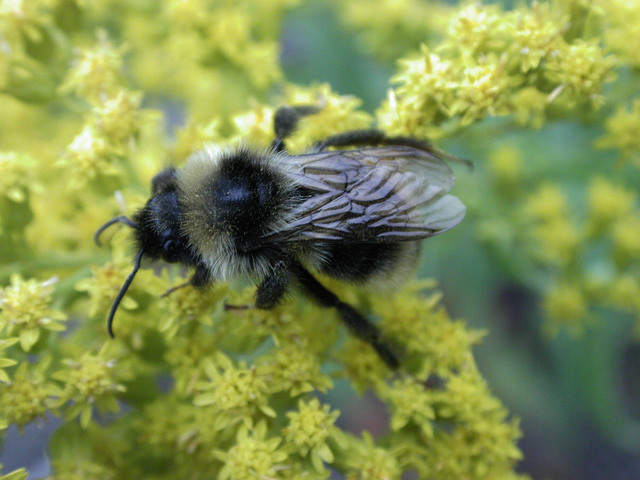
(382, 194)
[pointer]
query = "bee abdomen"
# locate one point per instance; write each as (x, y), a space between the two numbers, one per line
(382, 263)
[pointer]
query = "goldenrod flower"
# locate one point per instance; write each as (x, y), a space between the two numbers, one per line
(623, 132)
(608, 202)
(626, 238)
(411, 403)
(566, 307)
(292, 368)
(16, 175)
(370, 462)
(237, 391)
(91, 381)
(507, 165)
(547, 203)
(253, 455)
(25, 310)
(28, 396)
(88, 156)
(97, 72)
(580, 70)
(308, 430)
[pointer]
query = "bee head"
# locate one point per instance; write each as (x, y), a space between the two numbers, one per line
(157, 228)
(157, 231)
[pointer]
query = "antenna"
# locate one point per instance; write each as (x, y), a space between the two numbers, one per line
(113, 221)
(125, 285)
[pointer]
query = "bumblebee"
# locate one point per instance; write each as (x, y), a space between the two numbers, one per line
(355, 207)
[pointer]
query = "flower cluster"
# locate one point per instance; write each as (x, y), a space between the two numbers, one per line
(581, 253)
(494, 63)
(623, 132)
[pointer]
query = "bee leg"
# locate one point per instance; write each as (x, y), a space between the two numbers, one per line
(358, 324)
(285, 122)
(200, 278)
(371, 136)
(270, 291)
(375, 137)
(173, 289)
(273, 286)
(228, 307)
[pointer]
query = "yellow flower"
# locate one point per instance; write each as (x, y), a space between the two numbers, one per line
(16, 175)
(25, 311)
(309, 428)
(293, 368)
(579, 70)
(256, 125)
(411, 403)
(192, 138)
(236, 390)
(188, 304)
(482, 90)
(626, 238)
(506, 164)
(91, 381)
(103, 285)
(623, 132)
(389, 28)
(608, 202)
(566, 307)
(369, 462)
(27, 396)
(118, 118)
(624, 292)
(537, 33)
(476, 27)
(252, 456)
(97, 72)
(529, 105)
(425, 91)
(622, 23)
(557, 240)
(427, 334)
(547, 203)
(88, 156)
(338, 113)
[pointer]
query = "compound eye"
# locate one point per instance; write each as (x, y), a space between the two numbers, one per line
(170, 250)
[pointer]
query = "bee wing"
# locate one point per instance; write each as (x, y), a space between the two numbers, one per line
(382, 194)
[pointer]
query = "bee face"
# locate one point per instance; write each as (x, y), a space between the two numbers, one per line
(158, 230)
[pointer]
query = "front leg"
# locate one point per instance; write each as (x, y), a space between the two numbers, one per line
(200, 279)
